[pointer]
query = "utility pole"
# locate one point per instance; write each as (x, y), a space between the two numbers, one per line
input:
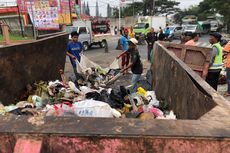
(20, 21)
(119, 20)
(70, 13)
(33, 24)
(133, 8)
(153, 11)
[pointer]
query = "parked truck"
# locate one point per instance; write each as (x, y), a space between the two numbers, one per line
(154, 21)
(91, 32)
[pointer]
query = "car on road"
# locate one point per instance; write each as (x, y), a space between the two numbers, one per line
(189, 29)
(176, 31)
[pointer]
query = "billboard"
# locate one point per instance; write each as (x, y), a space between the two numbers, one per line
(47, 14)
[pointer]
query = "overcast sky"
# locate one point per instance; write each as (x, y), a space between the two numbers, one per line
(187, 3)
(103, 4)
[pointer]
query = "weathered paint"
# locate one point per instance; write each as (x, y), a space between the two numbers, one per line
(197, 58)
(27, 146)
(29, 62)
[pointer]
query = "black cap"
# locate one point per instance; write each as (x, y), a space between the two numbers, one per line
(217, 35)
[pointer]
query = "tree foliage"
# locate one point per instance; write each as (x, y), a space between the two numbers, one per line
(209, 8)
(109, 11)
(146, 7)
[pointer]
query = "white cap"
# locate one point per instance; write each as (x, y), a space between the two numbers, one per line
(134, 41)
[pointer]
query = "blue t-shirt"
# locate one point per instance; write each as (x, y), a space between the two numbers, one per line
(167, 32)
(75, 49)
(124, 43)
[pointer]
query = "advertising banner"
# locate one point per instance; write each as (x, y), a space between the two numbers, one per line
(48, 14)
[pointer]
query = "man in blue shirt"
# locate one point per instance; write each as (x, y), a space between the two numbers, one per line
(125, 46)
(167, 31)
(74, 51)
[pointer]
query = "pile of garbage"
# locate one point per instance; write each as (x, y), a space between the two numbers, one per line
(89, 96)
(60, 98)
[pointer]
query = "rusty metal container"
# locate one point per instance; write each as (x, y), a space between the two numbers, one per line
(203, 124)
(197, 58)
(29, 62)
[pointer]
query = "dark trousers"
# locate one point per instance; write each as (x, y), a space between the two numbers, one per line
(212, 79)
(228, 79)
(150, 48)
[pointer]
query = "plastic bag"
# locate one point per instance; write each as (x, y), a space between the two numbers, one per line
(84, 64)
(115, 64)
(151, 96)
(37, 101)
(170, 116)
(156, 112)
(92, 108)
(73, 87)
(141, 91)
(64, 109)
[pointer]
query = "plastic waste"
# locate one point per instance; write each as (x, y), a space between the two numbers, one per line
(101, 70)
(73, 87)
(92, 108)
(116, 113)
(136, 99)
(64, 109)
(37, 101)
(143, 84)
(104, 97)
(116, 100)
(21, 111)
(84, 64)
(10, 108)
(170, 116)
(93, 95)
(156, 112)
(115, 64)
(2, 109)
(85, 89)
(141, 91)
(127, 108)
(151, 97)
(23, 104)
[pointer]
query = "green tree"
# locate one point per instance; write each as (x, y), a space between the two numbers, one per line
(115, 11)
(164, 6)
(210, 8)
(146, 7)
(223, 7)
(109, 11)
(134, 9)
